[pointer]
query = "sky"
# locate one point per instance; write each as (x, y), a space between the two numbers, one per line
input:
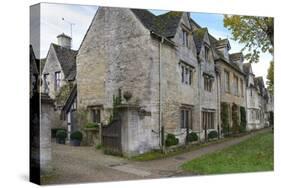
(51, 25)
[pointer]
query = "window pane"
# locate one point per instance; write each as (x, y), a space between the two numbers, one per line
(182, 74)
(187, 119)
(190, 77)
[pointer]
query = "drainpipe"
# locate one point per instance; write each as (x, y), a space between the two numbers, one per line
(246, 98)
(161, 127)
(218, 107)
(199, 94)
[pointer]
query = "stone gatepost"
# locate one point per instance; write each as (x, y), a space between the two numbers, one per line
(129, 114)
(46, 117)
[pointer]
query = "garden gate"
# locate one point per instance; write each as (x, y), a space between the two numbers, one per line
(111, 137)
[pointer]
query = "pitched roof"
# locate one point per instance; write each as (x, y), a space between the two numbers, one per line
(33, 61)
(198, 36)
(165, 24)
(67, 59)
(42, 64)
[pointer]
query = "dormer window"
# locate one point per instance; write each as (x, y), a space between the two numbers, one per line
(207, 51)
(184, 38)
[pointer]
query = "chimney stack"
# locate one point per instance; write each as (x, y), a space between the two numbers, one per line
(64, 41)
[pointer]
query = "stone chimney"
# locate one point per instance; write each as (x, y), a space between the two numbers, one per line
(64, 41)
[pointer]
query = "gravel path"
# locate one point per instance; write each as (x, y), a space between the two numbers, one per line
(86, 164)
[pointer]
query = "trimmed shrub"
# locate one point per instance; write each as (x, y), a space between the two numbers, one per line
(213, 134)
(77, 135)
(54, 131)
(171, 140)
(192, 137)
(61, 134)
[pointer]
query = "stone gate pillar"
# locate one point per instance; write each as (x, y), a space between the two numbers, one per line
(46, 116)
(129, 114)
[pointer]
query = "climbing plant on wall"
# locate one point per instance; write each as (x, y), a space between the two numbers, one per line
(117, 100)
(224, 118)
(235, 119)
(243, 119)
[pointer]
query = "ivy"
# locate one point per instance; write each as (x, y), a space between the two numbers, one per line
(117, 100)
(235, 119)
(243, 119)
(224, 118)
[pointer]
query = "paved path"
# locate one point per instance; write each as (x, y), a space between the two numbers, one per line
(86, 164)
(170, 167)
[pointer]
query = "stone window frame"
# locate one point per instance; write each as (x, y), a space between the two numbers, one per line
(208, 82)
(185, 33)
(207, 53)
(208, 119)
(45, 82)
(235, 85)
(58, 80)
(186, 73)
(227, 86)
(96, 113)
(186, 111)
(241, 87)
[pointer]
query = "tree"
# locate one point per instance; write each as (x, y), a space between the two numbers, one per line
(257, 33)
(270, 78)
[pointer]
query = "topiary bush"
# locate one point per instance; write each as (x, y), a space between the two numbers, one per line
(55, 130)
(192, 137)
(77, 135)
(171, 140)
(212, 135)
(61, 134)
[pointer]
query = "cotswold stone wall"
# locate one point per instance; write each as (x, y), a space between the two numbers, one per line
(174, 92)
(51, 66)
(120, 55)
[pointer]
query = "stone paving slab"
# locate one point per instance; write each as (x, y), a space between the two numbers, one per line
(132, 170)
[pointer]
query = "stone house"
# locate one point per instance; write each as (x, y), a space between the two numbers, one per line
(171, 75)
(232, 81)
(261, 102)
(208, 82)
(228, 71)
(58, 79)
(152, 57)
(252, 94)
(60, 66)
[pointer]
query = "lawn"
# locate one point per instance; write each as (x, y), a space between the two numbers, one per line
(252, 155)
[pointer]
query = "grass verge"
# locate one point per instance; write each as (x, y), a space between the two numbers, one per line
(252, 155)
